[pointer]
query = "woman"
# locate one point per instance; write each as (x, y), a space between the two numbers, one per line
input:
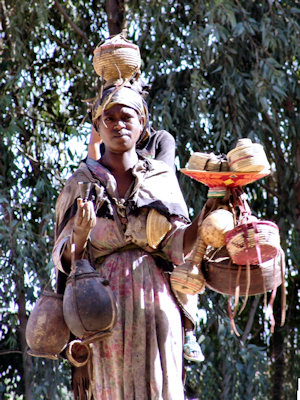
(161, 146)
(142, 359)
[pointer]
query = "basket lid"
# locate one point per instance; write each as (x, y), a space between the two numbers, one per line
(117, 41)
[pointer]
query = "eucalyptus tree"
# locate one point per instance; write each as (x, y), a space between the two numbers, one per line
(217, 71)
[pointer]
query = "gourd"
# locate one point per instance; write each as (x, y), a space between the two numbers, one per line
(215, 226)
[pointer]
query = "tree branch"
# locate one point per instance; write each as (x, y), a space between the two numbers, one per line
(5, 352)
(74, 26)
(251, 318)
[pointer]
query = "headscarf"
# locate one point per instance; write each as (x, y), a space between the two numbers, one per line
(128, 97)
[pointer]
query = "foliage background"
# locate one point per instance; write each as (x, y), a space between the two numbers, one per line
(217, 71)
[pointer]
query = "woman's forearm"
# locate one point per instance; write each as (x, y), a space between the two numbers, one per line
(94, 145)
(190, 236)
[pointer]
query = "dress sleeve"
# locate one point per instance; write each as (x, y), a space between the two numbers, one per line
(162, 147)
(57, 254)
(165, 148)
(172, 245)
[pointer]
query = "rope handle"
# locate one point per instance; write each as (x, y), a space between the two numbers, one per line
(240, 201)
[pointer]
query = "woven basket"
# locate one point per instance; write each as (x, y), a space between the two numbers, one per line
(157, 226)
(253, 242)
(207, 162)
(223, 276)
(247, 157)
(188, 279)
(117, 58)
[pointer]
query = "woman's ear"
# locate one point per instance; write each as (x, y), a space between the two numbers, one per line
(95, 127)
(142, 122)
(95, 130)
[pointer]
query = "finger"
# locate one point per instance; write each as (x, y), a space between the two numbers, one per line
(79, 202)
(80, 212)
(87, 211)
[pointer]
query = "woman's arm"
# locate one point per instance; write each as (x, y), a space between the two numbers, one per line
(190, 236)
(191, 232)
(94, 145)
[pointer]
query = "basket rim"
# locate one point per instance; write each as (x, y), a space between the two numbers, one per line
(241, 148)
(249, 226)
(115, 46)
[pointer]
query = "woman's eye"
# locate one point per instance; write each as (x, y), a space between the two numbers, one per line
(127, 117)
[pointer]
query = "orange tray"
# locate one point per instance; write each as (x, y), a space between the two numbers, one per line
(224, 179)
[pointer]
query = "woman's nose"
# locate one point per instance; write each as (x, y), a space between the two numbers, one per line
(119, 124)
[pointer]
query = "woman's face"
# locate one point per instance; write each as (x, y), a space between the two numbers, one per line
(120, 128)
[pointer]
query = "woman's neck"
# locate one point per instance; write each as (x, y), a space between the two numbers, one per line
(120, 165)
(119, 162)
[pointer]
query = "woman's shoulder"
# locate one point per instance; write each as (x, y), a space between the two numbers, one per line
(160, 166)
(71, 187)
(81, 174)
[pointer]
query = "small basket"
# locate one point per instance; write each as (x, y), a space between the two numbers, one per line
(157, 226)
(116, 59)
(207, 162)
(247, 157)
(253, 242)
(188, 279)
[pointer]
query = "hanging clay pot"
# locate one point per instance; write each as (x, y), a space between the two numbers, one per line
(223, 276)
(46, 331)
(89, 305)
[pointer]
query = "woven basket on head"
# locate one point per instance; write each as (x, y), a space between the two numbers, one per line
(116, 59)
(207, 162)
(247, 157)
(253, 242)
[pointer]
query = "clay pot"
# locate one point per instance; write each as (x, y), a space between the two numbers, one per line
(89, 305)
(223, 276)
(77, 353)
(46, 331)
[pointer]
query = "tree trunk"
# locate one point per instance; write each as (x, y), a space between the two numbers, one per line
(116, 16)
(278, 356)
(27, 363)
(297, 190)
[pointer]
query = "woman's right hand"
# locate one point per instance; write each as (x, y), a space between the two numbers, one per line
(85, 217)
(84, 222)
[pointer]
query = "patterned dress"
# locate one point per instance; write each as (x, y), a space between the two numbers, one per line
(143, 358)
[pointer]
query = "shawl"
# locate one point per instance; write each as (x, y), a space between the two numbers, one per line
(156, 186)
